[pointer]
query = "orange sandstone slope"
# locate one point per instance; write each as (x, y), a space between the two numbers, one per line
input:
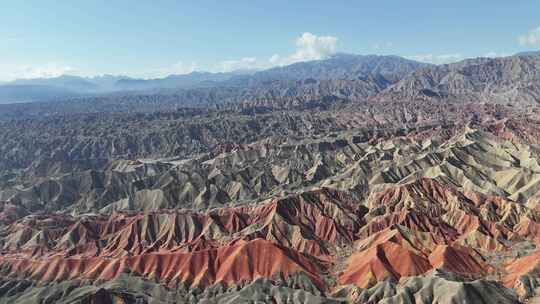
(241, 261)
(387, 261)
(391, 261)
(393, 219)
(314, 223)
(318, 235)
(523, 274)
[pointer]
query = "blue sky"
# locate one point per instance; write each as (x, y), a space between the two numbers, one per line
(156, 38)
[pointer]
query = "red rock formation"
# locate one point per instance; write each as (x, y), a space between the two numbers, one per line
(527, 229)
(381, 262)
(238, 262)
(521, 266)
(459, 259)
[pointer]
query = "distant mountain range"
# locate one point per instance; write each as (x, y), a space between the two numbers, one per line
(42, 89)
(342, 75)
(38, 89)
(339, 66)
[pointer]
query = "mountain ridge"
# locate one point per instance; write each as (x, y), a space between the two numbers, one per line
(504, 80)
(341, 66)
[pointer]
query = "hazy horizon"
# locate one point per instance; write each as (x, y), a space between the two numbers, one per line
(246, 71)
(144, 40)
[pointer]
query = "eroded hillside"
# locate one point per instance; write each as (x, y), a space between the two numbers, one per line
(366, 202)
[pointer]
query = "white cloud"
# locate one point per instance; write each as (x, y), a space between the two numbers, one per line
(532, 38)
(275, 59)
(312, 47)
(437, 59)
(48, 70)
(308, 47)
(182, 68)
(382, 45)
(495, 54)
(179, 68)
(246, 63)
